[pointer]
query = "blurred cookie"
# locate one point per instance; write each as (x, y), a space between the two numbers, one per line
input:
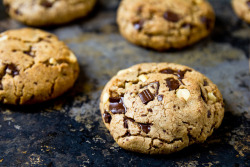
(47, 12)
(34, 66)
(242, 9)
(165, 24)
(160, 108)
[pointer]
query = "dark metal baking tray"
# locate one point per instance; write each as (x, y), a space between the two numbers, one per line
(68, 131)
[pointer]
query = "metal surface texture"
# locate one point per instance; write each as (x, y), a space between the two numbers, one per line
(69, 131)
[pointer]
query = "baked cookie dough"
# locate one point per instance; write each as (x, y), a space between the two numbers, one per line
(34, 66)
(160, 108)
(47, 12)
(165, 24)
(242, 9)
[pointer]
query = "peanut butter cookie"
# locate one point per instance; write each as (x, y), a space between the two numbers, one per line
(165, 24)
(47, 12)
(160, 108)
(34, 66)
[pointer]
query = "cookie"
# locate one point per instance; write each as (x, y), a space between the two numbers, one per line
(47, 12)
(160, 108)
(165, 24)
(242, 9)
(34, 67)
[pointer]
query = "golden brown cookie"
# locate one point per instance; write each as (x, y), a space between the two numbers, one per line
(165, 24)
(48, 12)
(242, 9)
(160, 108)
(34, 66)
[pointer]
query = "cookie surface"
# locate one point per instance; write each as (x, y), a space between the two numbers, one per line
(160, 108)
(47, 12)
(165, 24)
(242, 9)
(34, 66)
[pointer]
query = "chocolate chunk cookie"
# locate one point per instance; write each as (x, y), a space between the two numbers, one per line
(160, 108)
(165, 24)
(34, 66)
(242, 9)
(47, 12)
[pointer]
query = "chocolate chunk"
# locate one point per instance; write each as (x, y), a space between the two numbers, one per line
(167, 71)
(146, 96)
(172, 83)
(11, 69)
(208, 113)
(116, 105)
(125, 123)
(205, 83)
(171, 16)
(248, 4)
(160, 97)
(150, 110)
(46, 4)
(139, 25)
(145, 127)
(127, 134)
(107, 117)
(180, 74)
(206, 21)
(29, 53)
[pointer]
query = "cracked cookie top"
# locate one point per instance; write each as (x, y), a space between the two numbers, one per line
(34, 66)
(47, 12)
(242, 9)
(160, 108)
(165, 24)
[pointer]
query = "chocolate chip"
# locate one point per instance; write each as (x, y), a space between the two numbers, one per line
(208, 113)
(180, 74)
(116, 105)
(172, 83)
(171, 16)
(206, 21)
(125, 123)
(145, 127)
(107, 117)
(205, 83)
(17, 12)
(150, 110)
(139, 25)
(11, 69)
(29, 53)
(127, 134)
(46, 4)
(160, 97)
(167, 71)
(146, 96)
(248, 4)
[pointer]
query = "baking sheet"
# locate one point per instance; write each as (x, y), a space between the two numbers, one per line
(68, 131)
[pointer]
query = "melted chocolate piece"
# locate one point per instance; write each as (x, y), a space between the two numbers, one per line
(171, 16)
(145, 127)
(138, 25)
(160, 97)
(46, 4)
(248, 4)
(172, 84)
(146, 96)
(208, 113)
(180, 74)
(11, 69)
(205, 83)
(206, 21)
(150, 110)
(116, 105)
(107, 117)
